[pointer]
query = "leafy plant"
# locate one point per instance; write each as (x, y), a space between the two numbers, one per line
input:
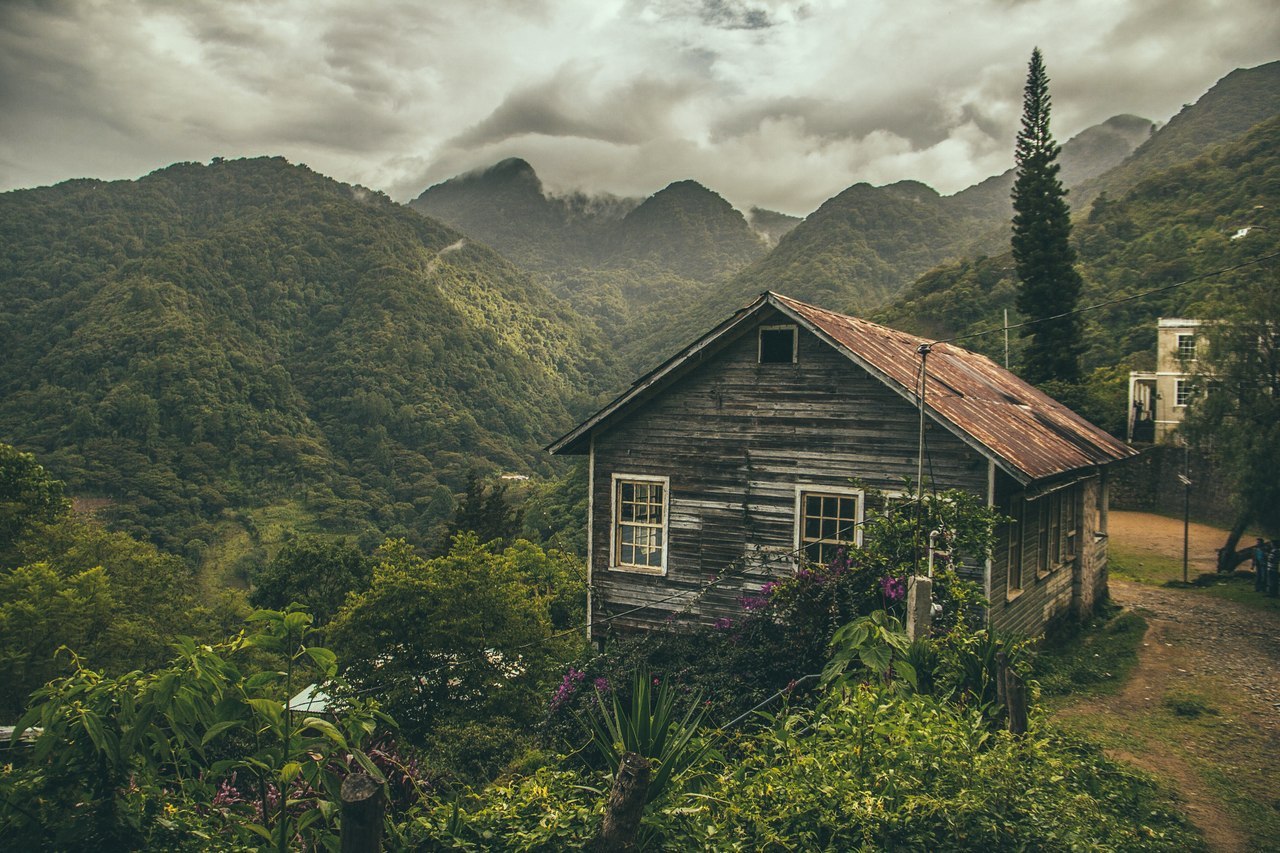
(214, 743)
(648, 725)
(879, 643)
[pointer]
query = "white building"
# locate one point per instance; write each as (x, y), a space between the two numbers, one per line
(1158, 401)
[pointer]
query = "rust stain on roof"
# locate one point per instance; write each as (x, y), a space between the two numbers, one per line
(1024, 427)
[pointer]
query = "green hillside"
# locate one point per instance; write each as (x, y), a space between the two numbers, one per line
(1174, 225)
(209, 339)
(506, 207)
(1236, 103)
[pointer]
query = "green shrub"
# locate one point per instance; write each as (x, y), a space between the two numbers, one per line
(869, 770)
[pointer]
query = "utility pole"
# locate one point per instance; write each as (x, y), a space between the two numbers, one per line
(1006, 339)
(1185, 479)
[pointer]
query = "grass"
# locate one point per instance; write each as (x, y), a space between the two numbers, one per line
(1093, 659)
(1126, 562)
(1213, 734)
(248, 539)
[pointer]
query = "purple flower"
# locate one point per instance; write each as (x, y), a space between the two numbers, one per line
(227, 793)
(568, 686)
(893, 589)
(724, 623)
(753, 602)
(769, 588)
(601, 685)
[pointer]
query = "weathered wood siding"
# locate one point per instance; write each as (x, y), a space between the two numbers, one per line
(1069, 588)
(736, 438)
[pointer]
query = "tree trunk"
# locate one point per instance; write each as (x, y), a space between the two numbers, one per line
(362, 804)
(625, 807)
(1228, 556)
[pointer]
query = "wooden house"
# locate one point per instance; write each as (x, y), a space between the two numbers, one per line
(758, 442)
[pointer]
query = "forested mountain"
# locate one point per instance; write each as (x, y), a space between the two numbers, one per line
(216, 337)
(506, 207)
(1236, 103)
(685, 229)
(1177, 224)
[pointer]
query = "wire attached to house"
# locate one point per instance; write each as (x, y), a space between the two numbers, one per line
(1117, 301)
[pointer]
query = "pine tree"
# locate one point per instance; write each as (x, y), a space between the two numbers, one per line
(1048, 282)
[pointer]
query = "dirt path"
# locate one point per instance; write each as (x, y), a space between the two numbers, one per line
(1161, 535)
(1195, 642)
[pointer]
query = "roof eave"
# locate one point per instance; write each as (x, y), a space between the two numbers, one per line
(574, 441)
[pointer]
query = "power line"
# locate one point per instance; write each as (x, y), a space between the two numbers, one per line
(1117, 301)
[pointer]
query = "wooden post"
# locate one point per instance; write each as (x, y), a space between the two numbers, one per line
(1016, 692)
(362, 804)
(919, 606)
(1002, 679)
(625, 807)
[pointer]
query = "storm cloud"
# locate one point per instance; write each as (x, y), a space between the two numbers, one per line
(770, 102)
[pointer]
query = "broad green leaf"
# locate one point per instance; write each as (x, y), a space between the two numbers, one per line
(217, 729)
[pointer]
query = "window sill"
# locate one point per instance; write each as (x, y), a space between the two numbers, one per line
(1011, 597)
(639, 570)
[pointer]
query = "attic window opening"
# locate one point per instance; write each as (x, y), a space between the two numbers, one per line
(778, 344)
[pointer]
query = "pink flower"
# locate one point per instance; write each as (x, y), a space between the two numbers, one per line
(893, 589)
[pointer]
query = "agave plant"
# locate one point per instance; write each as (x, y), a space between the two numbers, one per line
(649, 726)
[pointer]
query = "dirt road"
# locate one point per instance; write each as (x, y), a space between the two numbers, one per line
(1201, 645)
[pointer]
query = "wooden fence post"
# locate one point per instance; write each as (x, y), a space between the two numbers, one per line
(362, 804)
(625, 807)
(1016, 694)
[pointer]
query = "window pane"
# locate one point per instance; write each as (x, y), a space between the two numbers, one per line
(813, 505)
(628, 492)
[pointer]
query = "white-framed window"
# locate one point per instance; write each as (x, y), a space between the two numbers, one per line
(638, 536)
(1181, 392)
(778, 344)
(1187, 347)
(827, 520)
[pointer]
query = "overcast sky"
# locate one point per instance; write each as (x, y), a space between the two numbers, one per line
(773, 103)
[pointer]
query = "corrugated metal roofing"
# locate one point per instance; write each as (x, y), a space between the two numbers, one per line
(1010, 419)
(1024, 431)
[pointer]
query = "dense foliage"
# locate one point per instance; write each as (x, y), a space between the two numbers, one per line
(471, 638)
(1237, 413)
(316, 573)
(244, 333)
(69, 582)
(867, 770)
(204, 752)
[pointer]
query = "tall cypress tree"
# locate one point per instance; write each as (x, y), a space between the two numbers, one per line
(1048, 282)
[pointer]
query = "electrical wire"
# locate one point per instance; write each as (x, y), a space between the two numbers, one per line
(1108, 302)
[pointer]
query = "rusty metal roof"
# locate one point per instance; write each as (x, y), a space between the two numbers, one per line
(1024, 431)
(1007, 419)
